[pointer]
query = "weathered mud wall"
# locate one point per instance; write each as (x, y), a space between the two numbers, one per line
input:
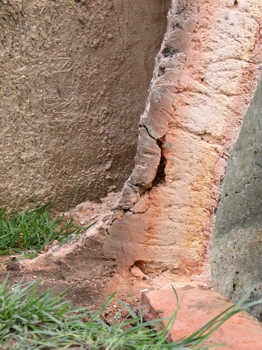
(205, 75)
(74, 78)
(237, 245)
(204, 78)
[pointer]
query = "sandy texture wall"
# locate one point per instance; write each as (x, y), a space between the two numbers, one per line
(204, 78)
(237, 245)
(74, 78)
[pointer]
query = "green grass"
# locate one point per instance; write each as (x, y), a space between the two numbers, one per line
(33, 230)
(32, 320)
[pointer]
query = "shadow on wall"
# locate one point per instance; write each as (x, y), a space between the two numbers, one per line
(237, 243)
(75, 82)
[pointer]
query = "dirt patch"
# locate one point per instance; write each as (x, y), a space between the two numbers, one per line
(87, 276)
(81, 268)
(82, 275)
(87, 282)
(90, 281)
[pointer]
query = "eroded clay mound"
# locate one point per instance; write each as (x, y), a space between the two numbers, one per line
(204, 78)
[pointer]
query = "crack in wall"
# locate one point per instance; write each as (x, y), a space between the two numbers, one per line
(147, 129)
(137, 185)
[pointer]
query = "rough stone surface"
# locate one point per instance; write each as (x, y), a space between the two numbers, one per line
(237, 243)
(199, 306)
(205, 75)
(74, 76)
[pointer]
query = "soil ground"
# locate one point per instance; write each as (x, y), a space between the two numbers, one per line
(87, 276)
(88, 281)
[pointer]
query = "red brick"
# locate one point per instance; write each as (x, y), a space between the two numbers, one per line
(198, 306)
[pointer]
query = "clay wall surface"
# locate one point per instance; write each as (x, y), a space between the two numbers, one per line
(74, 79)
(237, 245)
(205, 75)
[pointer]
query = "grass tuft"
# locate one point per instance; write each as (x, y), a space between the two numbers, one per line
(33, 230)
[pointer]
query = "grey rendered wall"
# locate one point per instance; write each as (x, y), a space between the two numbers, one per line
(74, 77)
(236, 254)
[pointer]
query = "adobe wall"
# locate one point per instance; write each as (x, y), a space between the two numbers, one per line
(74, 79)
(236, 253)
(205, 75)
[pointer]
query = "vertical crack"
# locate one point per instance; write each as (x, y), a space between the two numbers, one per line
(160, 175)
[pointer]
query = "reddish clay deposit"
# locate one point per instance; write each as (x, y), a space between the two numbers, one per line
(204, 78)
